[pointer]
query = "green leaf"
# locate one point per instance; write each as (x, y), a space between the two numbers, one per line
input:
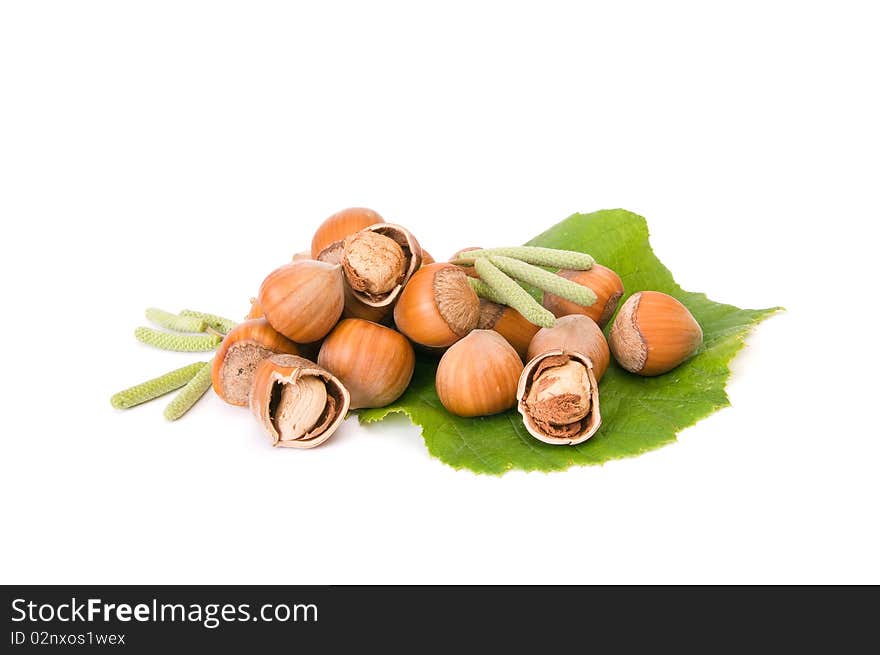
(638, 414)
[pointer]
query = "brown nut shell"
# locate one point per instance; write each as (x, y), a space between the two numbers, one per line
(509, 323)
(375, 363)
(558, 398)
(354, 308)
(303, 300)
(574, 333)
(240, 353)
(437, 307)
(478, 375)
(256, 310)
(604, 282)
(378, 261)
(335, 228)
(653, 333)
(299, 404)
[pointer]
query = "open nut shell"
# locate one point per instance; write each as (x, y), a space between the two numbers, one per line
(412, 252)
(281, 370)
(589, 425)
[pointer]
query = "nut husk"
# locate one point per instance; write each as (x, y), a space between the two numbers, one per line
(558, 398)
(298, 403)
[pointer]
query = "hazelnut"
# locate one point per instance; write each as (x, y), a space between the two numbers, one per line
(299, 404)
(653, 333)
(375, 363)
(604, 282)
(574, 333)
(558, 398)
(437, 307)
(240, 353)
(303, 300)
(509, 323)
(478, 375)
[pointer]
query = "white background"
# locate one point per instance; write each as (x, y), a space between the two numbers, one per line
(173, 153)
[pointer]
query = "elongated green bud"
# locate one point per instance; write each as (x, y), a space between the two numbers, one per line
(483, 290)
(222, 325)
(570, 259)
(174, 322)
(513, 295)
(190, 394)
(156, 387)
(538, 277)
(190, 343)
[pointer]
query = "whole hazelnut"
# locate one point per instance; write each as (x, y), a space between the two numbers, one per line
(303, 300)
(478, 375)
(375, 363)
(653, 333)
(437, 307)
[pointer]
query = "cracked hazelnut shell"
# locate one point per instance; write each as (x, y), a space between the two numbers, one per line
(331, 233)
(240, 353)
(377, 261)
(558, 398)
(299, 404)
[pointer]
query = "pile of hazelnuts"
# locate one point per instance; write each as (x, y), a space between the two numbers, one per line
(338, 327)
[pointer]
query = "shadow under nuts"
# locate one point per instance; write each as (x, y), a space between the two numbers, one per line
(478, 376)
(303, 300)
(653, 333)
(239, 355)
(299, 404)
(375, 363)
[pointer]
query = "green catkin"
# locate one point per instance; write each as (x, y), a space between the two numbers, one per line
(156, 387)
(570, 259)
(191, 343)
(174, 322)
(538, 277)
(512, 294)
(222, 325)
(483, 290)
(190, 394)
